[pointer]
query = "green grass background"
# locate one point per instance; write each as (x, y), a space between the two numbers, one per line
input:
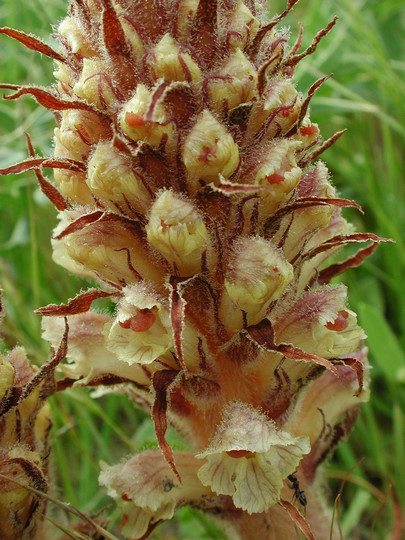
(365, 51)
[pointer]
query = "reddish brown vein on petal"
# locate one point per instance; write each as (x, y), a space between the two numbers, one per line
(239, 219)
(46, 98)
(297, 518)
(129, 263)
(176, 316)
(33, 43)
(47, 188)
(293, 60)
(35, 163)
(80, 223)
(157, 94)
(295, 353)
(79, 304)
(304, 107)
(263, 335)
(356, 260)
(10, 399)
(161, 382)
(320, 149)
(113, 33)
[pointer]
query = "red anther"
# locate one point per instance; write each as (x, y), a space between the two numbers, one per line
(308, 130)
(275, 178)
(340, 323)
(134, 120)
(207, 152)
(141, 322)
(238, 453)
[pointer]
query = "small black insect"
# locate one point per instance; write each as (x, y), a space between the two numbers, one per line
(299, 495)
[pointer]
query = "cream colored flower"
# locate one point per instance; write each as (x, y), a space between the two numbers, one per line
(249, 458)
(320, 323)
(150, 490)
(140, 332)
(88, 358)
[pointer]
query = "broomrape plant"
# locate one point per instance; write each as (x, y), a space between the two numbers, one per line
(189, 188)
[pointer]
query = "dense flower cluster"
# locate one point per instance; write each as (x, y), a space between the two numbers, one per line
(188, 188)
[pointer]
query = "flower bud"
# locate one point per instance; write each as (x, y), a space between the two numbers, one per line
(95, 84)
(320, 323)
(308, 223)
(328, 408)
(276, 111)
(111, 177)
(233, 84)
(6, 377)
(275, 168)
(308, 132)
(242, 28)
(73, 184)
(177, 230)
(19, 508)
(72, 33)
(209, 150)
(24, 448)
(143, 119)
(258, 274)
(170, 63)
(79, 130)
(65, 77)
